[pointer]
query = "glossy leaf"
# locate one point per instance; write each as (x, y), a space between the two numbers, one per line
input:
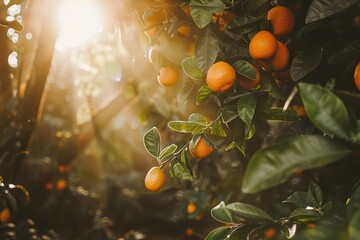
(289, 230)
(325, 110)
(221, 213)
(218, 130)
(243, 211)
(305, 62)
(320, 9)
(300, 198)
(229, 113)
(245, 69)
(186, 126)
(241, 232)
(198, 118)
(257, 7)
(206, 49)
(219, 234)
(243, 24)
(184, 92)
(303, 215)
(152, 142)
(315, 197)
(350, 51)
(202, 10)
(274, 164)
(203, 94)
(192, 70)
(167, 151)
(246, 107)
(278, 114)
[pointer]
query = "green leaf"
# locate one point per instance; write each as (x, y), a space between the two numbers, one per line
(276, 113)
(300, 198)
(242, 24)
(206, 49)
(198, 118)
(320, 9)
(180, 169)
(246, 107)
(288, 230)
(192, 70)
(257, 7)
(354, 226)
(184, 92)
(241, 232)
(305, 62)
(152, 142)
(221, 213)
(325, 110)
(186, 126)
(327, 207)
(245, 69)
(229, 113)
(249, 213)
(276, 163)
(302, 215)
(219, 234)
(218, 130)
(202, 10)
(350, 51)
(203, 94)
(168, 151)
(315, 197)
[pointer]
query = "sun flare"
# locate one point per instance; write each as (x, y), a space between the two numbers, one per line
(78, 22)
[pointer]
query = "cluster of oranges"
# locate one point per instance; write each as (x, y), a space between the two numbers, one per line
(155, 178)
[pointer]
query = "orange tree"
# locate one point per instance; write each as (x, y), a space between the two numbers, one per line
(276, 83)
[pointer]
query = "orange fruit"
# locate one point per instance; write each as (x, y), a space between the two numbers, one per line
(201, 149)
(61, 184)
(184, 31)
(191, 208)
(282, 20)
(263, 46)
(282, 75)
(168, 76)
(49, 185)
(155, 179)
(220, 77)
(279, 61)
(300, 110)
(5, 215)
(186, 9)
(152, 24)
(247, 83)
(357, 21)
(189, 232)
(223, 18)
(357, 76)
(270, 233)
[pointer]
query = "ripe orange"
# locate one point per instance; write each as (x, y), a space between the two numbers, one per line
(223, 18)
(263, 46)
(201, 149)
(49, 185)
(220, 77)
(300, 110)
(189, 232)
(5, 215)
(155, 179)
(168, 76)
(184, 31)
(357, 76)
(282, 20)
(152, 24)
(270, 233)
(247, 83)
(357, 21)
(280, 61)
(191, 208)
(61, 184)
